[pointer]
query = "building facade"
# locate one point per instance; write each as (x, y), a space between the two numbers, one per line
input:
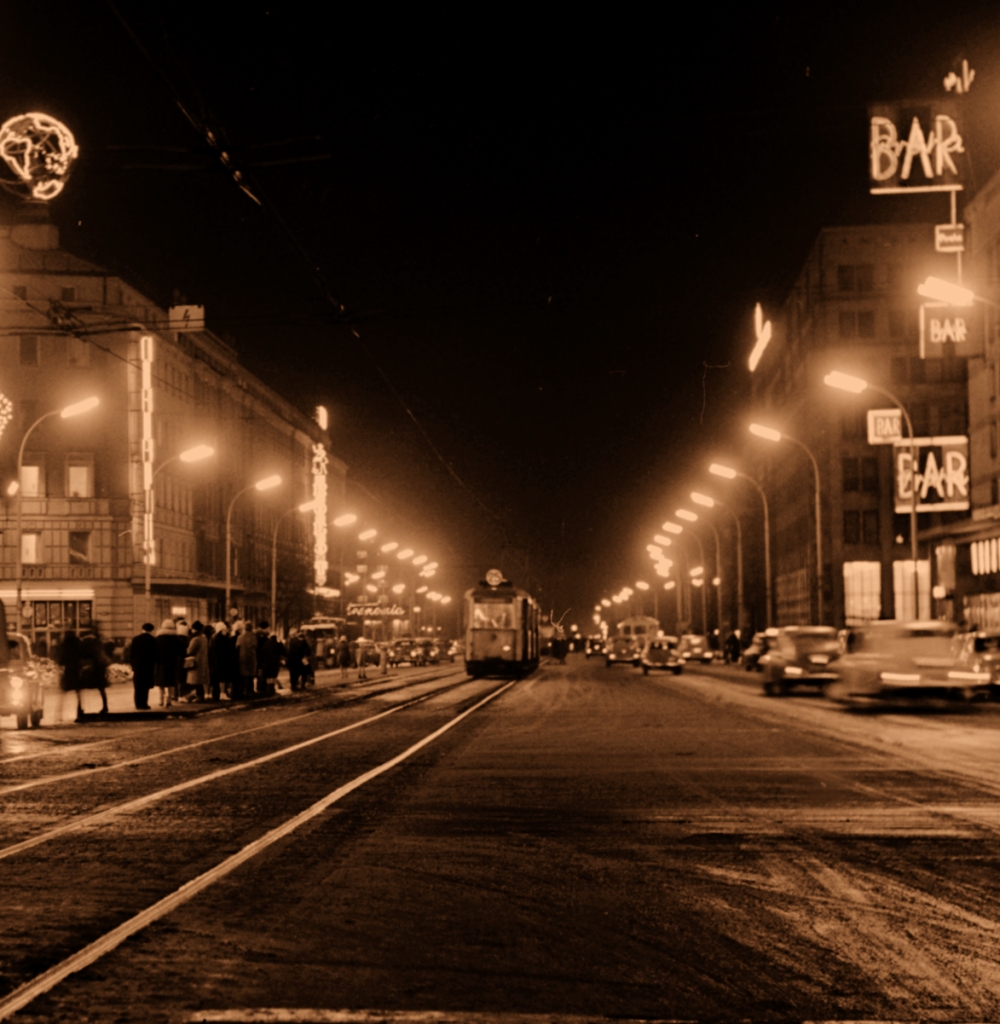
(100, 489)
(854, 307)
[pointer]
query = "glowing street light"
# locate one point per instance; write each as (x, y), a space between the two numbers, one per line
(399, 588)
(724, 471)
(770, 434)
(702, 499)
(605, 602)
(698, 570)
(404, 554)
(65, 413)
(422, 590)
(367, 534)
(845, 382)
(673, 527)
(939, 290)
(391, 546)
(420, 559)
(347, 519)
(266, 484)
(683, 513)
(660, 539)
(642, 585)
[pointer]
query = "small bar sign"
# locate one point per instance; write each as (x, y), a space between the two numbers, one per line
(949, 237)
(884, 426)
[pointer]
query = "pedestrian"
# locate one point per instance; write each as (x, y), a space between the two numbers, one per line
(183, 636)
(220, 658)
(93, 671)
(298, 657)
(343, 656)
(166, 666)
(143, 656)
(273, 657)
(360, 654)
(263, 632)
(246, 650)
(196, 662)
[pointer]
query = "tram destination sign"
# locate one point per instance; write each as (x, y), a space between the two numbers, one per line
(942, 478)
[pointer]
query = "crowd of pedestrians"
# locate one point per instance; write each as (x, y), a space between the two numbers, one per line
(200, 662)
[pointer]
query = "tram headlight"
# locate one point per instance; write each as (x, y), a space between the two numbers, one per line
(16, 682)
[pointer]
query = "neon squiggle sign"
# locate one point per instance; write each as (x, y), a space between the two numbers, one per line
(320, 462)
(40, 151)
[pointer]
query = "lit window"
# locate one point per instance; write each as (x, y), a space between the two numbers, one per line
(862, 590)
(31, 548)
(79, 477)
(31, 481)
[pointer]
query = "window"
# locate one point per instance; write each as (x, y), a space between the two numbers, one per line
(77, 352)
(860, 278)
(897, 323)
(79, 548)
(20, 291)
(866, 324)
(67, 294)
(848, 325)
(32, 480)
(31, 548)
(869, 526)
(29, 350)
(845, 278)
(854, 425)
(80, 476)
(862, 590)
(869, 474)
(852, 526)
(852, 474)
(854, 324)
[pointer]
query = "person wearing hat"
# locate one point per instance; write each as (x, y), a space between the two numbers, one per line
(169, 662)
(143, 656)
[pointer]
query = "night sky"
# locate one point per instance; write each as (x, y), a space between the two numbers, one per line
(515, 253)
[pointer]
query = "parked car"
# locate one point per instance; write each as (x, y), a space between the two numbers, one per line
(694, 647)
(800, 656)
(594, 645)
(662, 652)
(21, 686)
(623, 650)
(910, 661)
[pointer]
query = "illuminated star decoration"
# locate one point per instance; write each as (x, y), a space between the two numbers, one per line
(40, 151)
(6, 412)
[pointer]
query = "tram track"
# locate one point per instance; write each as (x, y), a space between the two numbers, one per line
(100, 939)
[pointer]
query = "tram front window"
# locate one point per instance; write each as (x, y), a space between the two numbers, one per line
(493, 615)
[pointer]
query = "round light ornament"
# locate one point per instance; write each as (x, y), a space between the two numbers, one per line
(40, 151)
(494, 577)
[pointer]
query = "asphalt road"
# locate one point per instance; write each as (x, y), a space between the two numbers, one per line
(585, 843)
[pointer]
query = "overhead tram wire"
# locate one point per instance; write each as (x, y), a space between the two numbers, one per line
(257, 195)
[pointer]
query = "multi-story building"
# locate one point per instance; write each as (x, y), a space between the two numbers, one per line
(854, 307)
(72, 330)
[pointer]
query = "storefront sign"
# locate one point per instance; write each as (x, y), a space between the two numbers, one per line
(951, 331)
(884, 426)
(942, 474)
(375, 611)
(949, 237)
(913, 147)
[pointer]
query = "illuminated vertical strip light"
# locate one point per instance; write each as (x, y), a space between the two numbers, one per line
(320, 463)
(6, 412)
(146, 357)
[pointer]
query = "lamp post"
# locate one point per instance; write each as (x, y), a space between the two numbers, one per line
(692, 517)
(195, 454)
(705, 501)
(306, 506)
(728, 473)
(776, 435)
(855, 385)
(261, 485)
(66, 413)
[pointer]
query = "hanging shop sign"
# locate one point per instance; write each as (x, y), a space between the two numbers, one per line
(914, 147)
(942, 478)
(949, 238)
(951, 331)
(885, 426)
(375, 611)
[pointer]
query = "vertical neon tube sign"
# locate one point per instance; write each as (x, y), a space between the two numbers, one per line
(146, 358)
(320, 463)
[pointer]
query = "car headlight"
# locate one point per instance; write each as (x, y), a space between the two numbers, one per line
(819, 659)
(793, 670)
(16, 682)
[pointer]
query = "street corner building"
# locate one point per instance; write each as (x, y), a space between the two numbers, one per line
(115, 512)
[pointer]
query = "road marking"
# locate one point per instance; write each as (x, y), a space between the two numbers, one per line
(131, 806)
(31, 990)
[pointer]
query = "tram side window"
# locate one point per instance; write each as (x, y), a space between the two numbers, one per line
(493, 615)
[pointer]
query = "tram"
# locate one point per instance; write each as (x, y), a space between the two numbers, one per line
(501, 628)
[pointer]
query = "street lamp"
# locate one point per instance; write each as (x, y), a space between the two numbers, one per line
(307, 506)
(770, 434)
(265, 484)
(939, 290)
(195, 454)
(728, 473)
(855, 385)
(706, 502)
(65, 413)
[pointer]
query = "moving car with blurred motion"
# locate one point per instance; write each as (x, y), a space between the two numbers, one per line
(800, 656)
(625, 647)
(594, 646)
(21, 691)
(979, 651)
(757, 648)
(907, 661)
(661, 652)
(694, 647)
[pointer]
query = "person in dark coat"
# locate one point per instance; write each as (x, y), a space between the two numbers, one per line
(93, 674)
(170, 654)
(246, 649)
(344, 658)
(220, 660)
(262, 633)
(143, 656)
(273, 655)
(299, 655)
